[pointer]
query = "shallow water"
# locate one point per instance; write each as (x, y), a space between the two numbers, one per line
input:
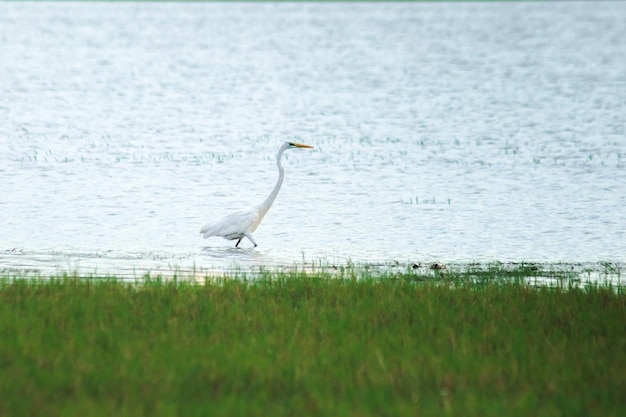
(452, 132)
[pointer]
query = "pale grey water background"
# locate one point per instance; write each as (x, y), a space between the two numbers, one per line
(456, 132)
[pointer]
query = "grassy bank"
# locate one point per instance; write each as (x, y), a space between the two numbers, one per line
(295, 344)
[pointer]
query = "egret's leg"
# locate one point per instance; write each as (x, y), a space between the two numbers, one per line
(238, 242)
(249, 236)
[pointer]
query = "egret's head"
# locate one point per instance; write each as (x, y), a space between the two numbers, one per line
(297, 145)
(291, 145)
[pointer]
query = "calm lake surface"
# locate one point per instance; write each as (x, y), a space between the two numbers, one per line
(454, 132)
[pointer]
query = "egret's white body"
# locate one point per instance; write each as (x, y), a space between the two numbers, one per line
(242, 223)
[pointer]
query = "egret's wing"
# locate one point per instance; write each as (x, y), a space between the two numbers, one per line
(234, 224)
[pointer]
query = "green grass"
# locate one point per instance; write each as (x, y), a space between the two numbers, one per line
(291, 344)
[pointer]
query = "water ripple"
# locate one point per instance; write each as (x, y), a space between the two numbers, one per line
(456, 132)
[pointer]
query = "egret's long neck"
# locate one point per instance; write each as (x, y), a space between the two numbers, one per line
(265, 206)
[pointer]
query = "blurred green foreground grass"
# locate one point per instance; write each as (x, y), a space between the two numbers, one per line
(297, 344)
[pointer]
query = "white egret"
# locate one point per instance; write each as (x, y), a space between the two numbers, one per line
(242, 223)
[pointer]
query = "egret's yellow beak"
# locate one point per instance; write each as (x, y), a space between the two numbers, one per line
(300, 145)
